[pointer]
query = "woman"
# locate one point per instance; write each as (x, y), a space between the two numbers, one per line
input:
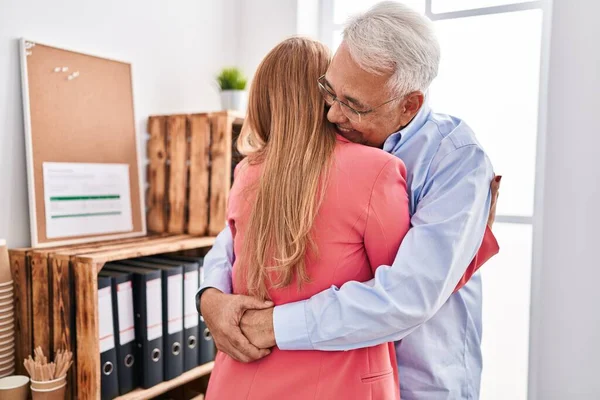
(308, 210)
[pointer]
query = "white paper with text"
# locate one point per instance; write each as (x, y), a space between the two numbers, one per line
(86, 199)
(126, 318)
(175, 306)
(105, 320)
(154, 309)
(190, 288)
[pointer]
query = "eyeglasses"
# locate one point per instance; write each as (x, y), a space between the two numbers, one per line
(350, 113)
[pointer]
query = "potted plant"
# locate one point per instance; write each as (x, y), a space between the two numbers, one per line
(233, 94)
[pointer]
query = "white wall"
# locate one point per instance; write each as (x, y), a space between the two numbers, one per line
(263, 24)
(565, 339)
(176, 48)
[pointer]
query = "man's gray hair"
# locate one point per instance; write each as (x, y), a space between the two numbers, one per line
(391, 37)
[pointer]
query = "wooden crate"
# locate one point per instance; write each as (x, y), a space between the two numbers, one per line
(44, 302)
(34, 283)
(69, 277)
(189, 171)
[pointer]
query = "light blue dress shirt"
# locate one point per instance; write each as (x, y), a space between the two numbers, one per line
(439, 355)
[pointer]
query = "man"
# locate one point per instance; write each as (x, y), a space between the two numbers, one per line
(375, 89)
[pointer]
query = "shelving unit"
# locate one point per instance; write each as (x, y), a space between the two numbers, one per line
(85, 273)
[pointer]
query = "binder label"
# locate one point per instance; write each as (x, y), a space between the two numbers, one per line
(175, 306)
(154, 309)
(125, 308)
(105, 320)
(190, 287)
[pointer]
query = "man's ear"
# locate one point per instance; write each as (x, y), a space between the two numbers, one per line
(410, 106)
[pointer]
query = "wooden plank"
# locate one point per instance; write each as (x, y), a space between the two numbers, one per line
(157, 175)
(143, 394)
(191, 242)
(63, 312)
(86, 321)
(131, 248)
(177, 153)
(220, 179)
(199, 174)
(61, 303)
(237, 116)
(71, 253)
(40, 297)
(23, 320)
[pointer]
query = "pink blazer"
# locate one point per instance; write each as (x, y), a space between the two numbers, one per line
(363, 219)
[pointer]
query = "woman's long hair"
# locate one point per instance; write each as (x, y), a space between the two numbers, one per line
(286, 132)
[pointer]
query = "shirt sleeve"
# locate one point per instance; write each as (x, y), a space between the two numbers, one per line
(218, 264)
(447, 229)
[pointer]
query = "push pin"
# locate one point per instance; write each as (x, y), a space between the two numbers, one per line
(65, 69)
(75, 74)
(71, 77)
(57, 69)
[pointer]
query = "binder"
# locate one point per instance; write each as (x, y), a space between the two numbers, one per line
(109, 383)
(190, 314)
(206, 344)
(172, 314)
(147, 306)
(124, 324)
(206, 347)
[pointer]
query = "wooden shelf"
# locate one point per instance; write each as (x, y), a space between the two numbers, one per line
(150, 247)
(144, 394)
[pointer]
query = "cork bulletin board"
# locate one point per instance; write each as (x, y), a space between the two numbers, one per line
(79, 120)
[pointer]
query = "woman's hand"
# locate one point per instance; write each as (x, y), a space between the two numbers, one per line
(495, 188)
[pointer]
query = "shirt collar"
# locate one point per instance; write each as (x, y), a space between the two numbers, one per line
(397, 138)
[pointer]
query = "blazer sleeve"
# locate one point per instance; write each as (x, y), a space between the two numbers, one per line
(388, 217)
(489, 248)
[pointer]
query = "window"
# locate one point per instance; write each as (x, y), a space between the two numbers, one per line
(443, 6)
(489, 77)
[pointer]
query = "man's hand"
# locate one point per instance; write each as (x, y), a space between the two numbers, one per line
(495, 187)
(257, 326)
(222, 314)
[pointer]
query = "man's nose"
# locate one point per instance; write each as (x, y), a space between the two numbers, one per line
(335, 114)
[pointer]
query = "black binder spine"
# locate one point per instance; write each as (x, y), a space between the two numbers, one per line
(149, 298)
(173, 327)
(109, 384)
(190, 317)
(124, 322)
(206, 349)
